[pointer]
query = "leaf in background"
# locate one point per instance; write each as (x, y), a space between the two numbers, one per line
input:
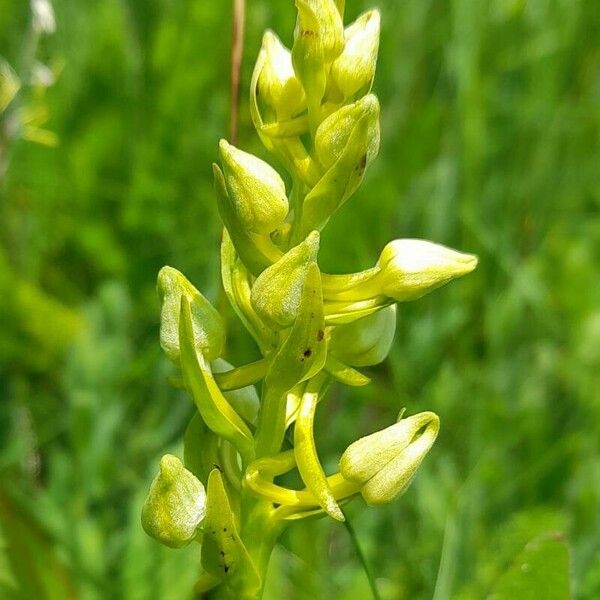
(8, 583)
(9, 85)
(151, 570)
(36, 569)
(541, 570)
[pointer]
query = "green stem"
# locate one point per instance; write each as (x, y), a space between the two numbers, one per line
(362, 559)
(271, 422)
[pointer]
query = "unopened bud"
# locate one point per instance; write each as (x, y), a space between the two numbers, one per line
(318, 41)
(209, 331)
(321, 27)
(255, 188)
(366, 341)
(278, 85)
(385, 462)
(277, 292)
(354, 70)
(334, 132)
(410, 269)
(175, 506)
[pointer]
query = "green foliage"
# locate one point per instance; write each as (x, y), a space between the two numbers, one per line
(490, 131)
(541, 569)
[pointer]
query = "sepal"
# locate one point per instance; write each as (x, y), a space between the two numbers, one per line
(353, 71)
(410, 269)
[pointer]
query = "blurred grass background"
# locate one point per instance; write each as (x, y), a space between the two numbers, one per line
(491, 144)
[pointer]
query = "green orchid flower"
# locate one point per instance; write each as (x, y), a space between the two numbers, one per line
(314, 112)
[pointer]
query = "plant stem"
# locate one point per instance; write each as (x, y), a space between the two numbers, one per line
(362, 558)
(237, 52)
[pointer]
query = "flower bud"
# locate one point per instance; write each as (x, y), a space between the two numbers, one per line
(208, 328)
(334, 132)
(410, 269)
(353, 71)
(277, 292)
(175, 506)
(318, 41)
(278, 85)
(321, 28)
(255, 189)
(366, 341)
(385, 462)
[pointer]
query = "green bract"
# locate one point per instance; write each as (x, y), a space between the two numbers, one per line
(313, 110)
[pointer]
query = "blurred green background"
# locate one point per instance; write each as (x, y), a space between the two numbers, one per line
(491, 144)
